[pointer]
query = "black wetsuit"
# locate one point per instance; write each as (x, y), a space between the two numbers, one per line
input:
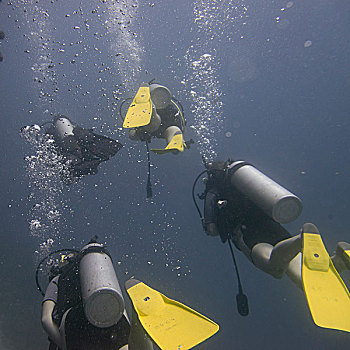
(84, 150)
(239, 212)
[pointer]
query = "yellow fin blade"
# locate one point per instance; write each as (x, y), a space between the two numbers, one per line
(326, 293)
(170, 324)
(140, 110)
(175, 145)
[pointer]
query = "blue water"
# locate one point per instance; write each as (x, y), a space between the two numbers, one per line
(267, 82)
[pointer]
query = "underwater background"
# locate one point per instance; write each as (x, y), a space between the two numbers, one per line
(263, 81)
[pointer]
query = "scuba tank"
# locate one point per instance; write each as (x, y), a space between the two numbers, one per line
(62, 127)
(160, 96)
(276, 201)
(102, 297)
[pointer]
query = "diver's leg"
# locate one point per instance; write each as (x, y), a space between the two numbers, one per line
(294, 271)
(275, 260)
(49, 325)
(238, 241)
(170, 132)
(284, 252)
(138, 339)
(174, 139)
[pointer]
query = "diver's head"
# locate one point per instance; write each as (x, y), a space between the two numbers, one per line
(216, 165)
(62, 264)
(68, 258)
(216, 171)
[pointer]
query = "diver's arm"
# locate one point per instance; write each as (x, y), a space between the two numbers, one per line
(48, 324)
(47, 309)
(138, 339)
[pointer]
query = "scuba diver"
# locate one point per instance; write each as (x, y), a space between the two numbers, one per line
(81, 149)
(83, 308)
(155, 113)
(244, 206)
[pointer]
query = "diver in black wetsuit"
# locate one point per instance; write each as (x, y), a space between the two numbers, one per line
(83, 307)
(166, 117)
(246, 207)
(81, 149)
(233, 215)
(155, 113)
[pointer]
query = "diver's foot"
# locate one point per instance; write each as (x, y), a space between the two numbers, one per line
(308, 227)
(341, 259)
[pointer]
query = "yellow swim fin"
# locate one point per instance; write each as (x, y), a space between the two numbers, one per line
(326, 293)
(140, 110)
(175, 145)
(170, 324)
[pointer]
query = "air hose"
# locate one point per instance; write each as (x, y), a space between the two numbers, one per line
(241, 298)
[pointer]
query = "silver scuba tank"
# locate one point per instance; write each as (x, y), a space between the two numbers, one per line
(276, 201)
(160, 96)
(62, 127)
(102, 297)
